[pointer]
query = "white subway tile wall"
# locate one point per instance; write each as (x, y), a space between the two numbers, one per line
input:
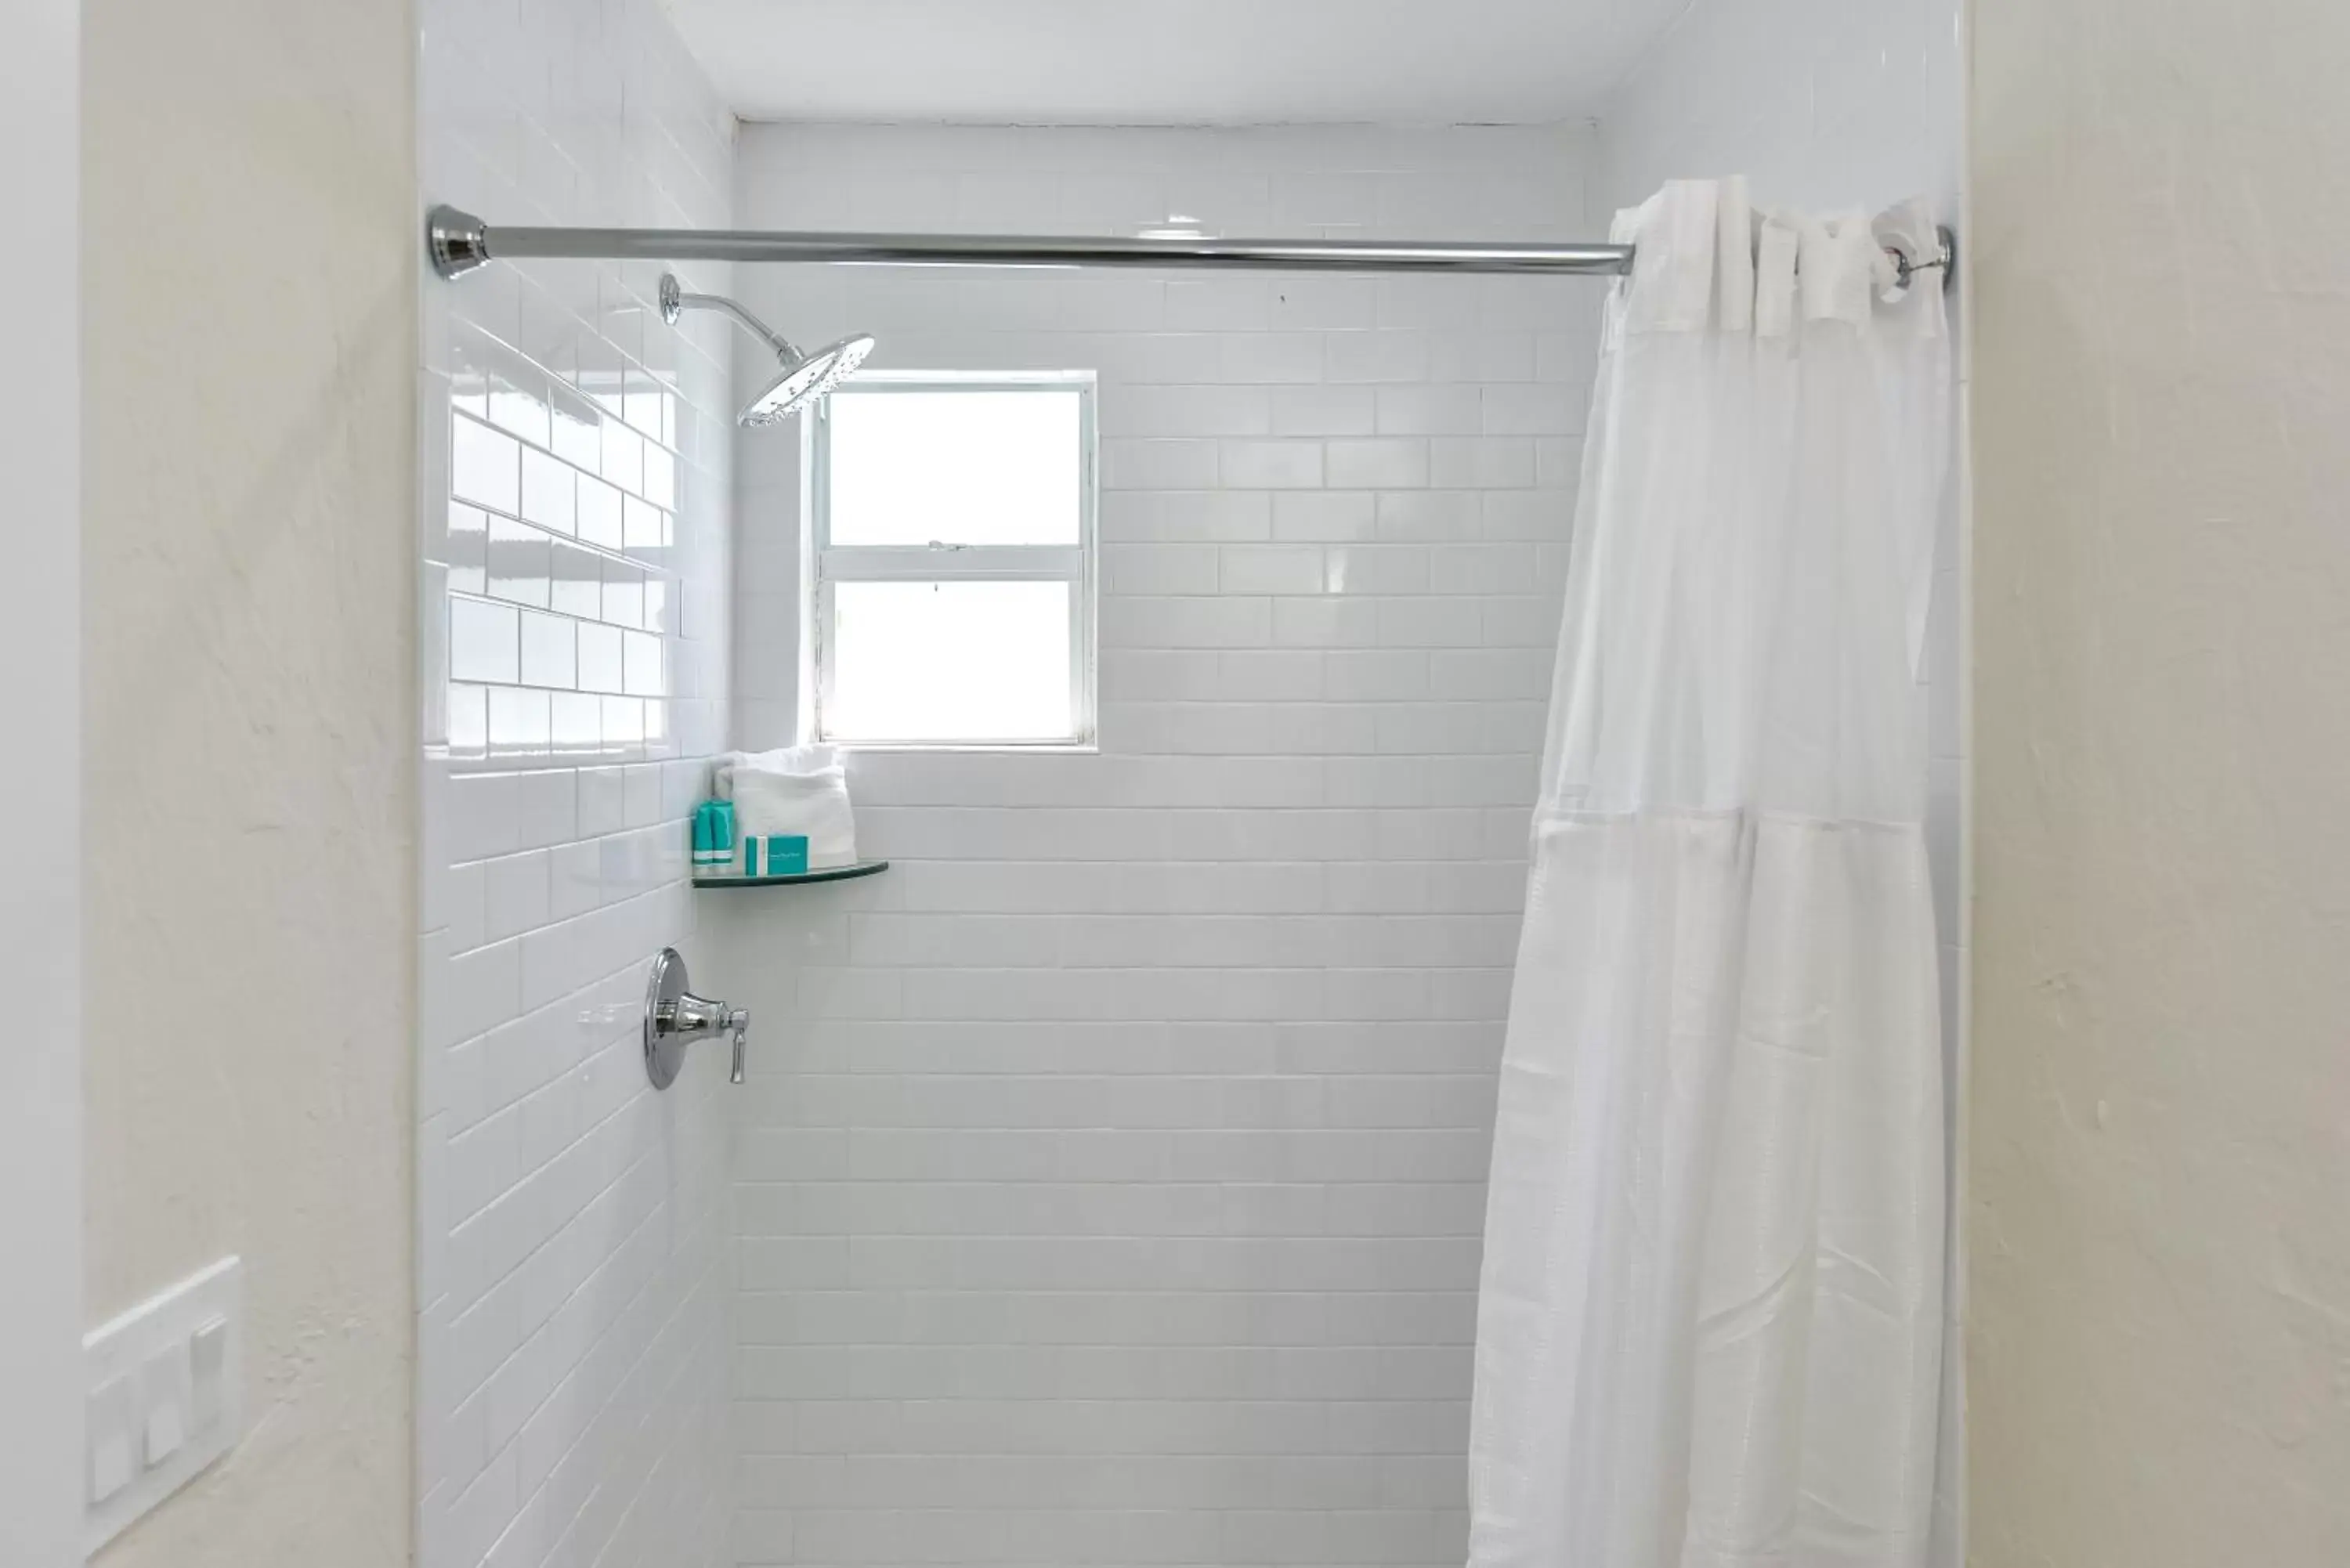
(1110, 1172)
(571, 1226)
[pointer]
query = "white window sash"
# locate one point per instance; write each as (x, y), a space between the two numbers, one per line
(915, 563)
(949, 561)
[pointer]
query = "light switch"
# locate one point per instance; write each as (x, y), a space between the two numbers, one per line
(110, 1467)
(207, 1374)
(164, 1399)
(165, 1393)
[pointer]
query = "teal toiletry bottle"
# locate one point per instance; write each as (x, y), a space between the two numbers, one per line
(722, 834)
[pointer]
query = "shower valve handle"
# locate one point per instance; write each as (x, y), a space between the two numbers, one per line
(675, 1018)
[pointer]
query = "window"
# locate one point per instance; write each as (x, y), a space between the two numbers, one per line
(952, 532)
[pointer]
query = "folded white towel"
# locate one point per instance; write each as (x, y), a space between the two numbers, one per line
(791, 790)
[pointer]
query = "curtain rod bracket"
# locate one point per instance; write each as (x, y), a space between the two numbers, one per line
(457, 241)
(1946, 259)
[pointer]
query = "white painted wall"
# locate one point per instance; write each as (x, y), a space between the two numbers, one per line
(571, 1225)
(2161, 1144)
(1110, 1174)
(1821, 103)
(40, 869)
(1167, 62)
(249, 706)
(1825, 105)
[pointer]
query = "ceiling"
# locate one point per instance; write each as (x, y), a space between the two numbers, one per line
(1167, 62)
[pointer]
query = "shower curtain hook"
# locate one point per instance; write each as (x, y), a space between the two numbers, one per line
(1946, 259)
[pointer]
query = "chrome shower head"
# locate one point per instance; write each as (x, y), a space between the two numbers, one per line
(804, 379)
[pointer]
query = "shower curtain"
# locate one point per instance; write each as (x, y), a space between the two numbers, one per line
(1708, 1329)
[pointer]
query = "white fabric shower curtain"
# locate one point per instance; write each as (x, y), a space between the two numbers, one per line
(1710, 1327)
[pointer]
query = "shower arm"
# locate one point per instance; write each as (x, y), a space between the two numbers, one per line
(675, 302)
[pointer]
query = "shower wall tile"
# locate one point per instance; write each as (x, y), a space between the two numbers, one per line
(572, 1380)
(1110, 1175)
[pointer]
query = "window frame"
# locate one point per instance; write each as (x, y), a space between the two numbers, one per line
(825, 565)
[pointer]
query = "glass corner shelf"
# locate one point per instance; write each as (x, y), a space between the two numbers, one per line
(796, 878)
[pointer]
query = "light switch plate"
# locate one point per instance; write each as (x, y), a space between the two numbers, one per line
(166, 1378)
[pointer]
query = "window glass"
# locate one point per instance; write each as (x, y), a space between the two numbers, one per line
(978, 467)
(949, 662)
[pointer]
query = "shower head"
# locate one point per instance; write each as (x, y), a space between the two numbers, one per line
(805, 377)
(804, 380)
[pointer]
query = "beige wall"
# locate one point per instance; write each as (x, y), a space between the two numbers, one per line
(2160, 1216)
(248, 609)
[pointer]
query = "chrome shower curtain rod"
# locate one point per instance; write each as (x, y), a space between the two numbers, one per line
(459, 241)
